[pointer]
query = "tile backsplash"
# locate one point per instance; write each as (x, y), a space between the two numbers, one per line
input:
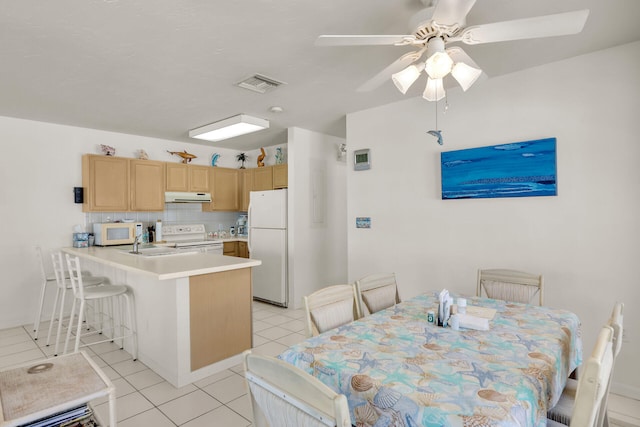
(174, 213)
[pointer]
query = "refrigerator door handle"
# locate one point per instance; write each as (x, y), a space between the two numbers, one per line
(249, 229)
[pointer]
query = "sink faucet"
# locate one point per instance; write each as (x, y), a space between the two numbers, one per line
(135, 245)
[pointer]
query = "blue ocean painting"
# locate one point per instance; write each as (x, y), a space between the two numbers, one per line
(519, 169)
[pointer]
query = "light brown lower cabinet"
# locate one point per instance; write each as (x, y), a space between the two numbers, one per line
(243, 250)
(230, 248)
(220, 316)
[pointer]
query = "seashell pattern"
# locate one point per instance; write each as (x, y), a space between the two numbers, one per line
(386, 397)
(540, 356)
(361, 382)
(365, 415)
(396, 370)
(492, 395)
(476, 421)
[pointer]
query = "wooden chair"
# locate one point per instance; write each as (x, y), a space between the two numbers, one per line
(376, 292)
(285, 396)
(593, 384)
(329, 308)
(565, 406)
(511, 285)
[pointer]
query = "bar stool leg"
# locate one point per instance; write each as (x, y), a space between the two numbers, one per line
(132, 324)
(64, 293)
(36, 322)
(43, 289)
(53, 315)
(73, 312)
(79, 329)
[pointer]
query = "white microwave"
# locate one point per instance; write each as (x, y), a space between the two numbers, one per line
(116, 233)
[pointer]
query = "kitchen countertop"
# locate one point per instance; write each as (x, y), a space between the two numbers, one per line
(163, 267)
(232, 239)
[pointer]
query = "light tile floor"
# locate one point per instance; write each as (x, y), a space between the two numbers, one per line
(145, 399)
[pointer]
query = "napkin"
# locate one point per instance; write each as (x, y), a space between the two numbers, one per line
(444, 307)
(473, 322)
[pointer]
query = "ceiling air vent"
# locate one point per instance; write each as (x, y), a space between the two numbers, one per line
(259, 83)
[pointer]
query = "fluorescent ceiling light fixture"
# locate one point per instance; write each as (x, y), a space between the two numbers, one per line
(434, 90)
(229, 128)
(405, 78)
(465, 75)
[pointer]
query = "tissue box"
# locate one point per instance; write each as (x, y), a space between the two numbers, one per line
(80, 237)
(81, 243)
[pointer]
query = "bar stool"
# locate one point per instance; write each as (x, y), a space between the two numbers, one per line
(49, 279)
(61, 276)
(109, 293)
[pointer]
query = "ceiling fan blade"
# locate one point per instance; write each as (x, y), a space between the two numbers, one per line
(528, 28)
(364, 40)
(385, 75)
(450, 12)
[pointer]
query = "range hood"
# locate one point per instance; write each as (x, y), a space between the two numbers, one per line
(186, 197)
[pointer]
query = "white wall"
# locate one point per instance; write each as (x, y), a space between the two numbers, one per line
(584, 241)
(317, 211)
(39, 166)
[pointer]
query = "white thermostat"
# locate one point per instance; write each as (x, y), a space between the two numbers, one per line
(362, 159)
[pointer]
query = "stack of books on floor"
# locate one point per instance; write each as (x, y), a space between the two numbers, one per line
(82, 416)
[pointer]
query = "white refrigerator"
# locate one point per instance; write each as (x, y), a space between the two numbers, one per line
(268, 243)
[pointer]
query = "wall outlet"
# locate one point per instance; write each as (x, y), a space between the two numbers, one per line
(625, 335)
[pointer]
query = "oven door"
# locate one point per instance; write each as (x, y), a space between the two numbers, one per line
(210, 248)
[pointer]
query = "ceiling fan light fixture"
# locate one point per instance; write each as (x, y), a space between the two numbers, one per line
(229, 128)
(405, 78)
(434, 91)
(438, 63)
(465, 75)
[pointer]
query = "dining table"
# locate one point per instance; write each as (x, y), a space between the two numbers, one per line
(397, 369)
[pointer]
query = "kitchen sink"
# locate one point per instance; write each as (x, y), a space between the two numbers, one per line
(157, 251)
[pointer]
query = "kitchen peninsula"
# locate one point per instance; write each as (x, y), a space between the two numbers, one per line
(193, 310)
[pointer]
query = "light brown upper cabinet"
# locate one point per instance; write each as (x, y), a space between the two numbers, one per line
(280, 176)
(146, 185)
(245, 187)
(224, 183)
(119, 184)
(183, 177)
(199, 178)
(262, 179)
(106, 183)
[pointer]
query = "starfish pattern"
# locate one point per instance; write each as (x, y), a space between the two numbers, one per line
(481, 374)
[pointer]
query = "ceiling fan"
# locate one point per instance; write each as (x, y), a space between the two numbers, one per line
(435, 27)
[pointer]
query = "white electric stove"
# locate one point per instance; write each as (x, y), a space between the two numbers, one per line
(189, 237)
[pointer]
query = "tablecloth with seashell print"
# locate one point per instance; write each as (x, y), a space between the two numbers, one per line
(398, 370)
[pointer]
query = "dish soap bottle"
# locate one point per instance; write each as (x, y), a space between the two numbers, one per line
(159, 230)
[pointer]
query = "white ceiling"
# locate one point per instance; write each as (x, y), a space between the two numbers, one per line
(161, 67)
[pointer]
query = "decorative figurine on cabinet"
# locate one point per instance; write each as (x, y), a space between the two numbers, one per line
(279, 156)
(214, 159)
(242, 157)
(261, 157)
(142, 155)
(186, 157)
(107, 150)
